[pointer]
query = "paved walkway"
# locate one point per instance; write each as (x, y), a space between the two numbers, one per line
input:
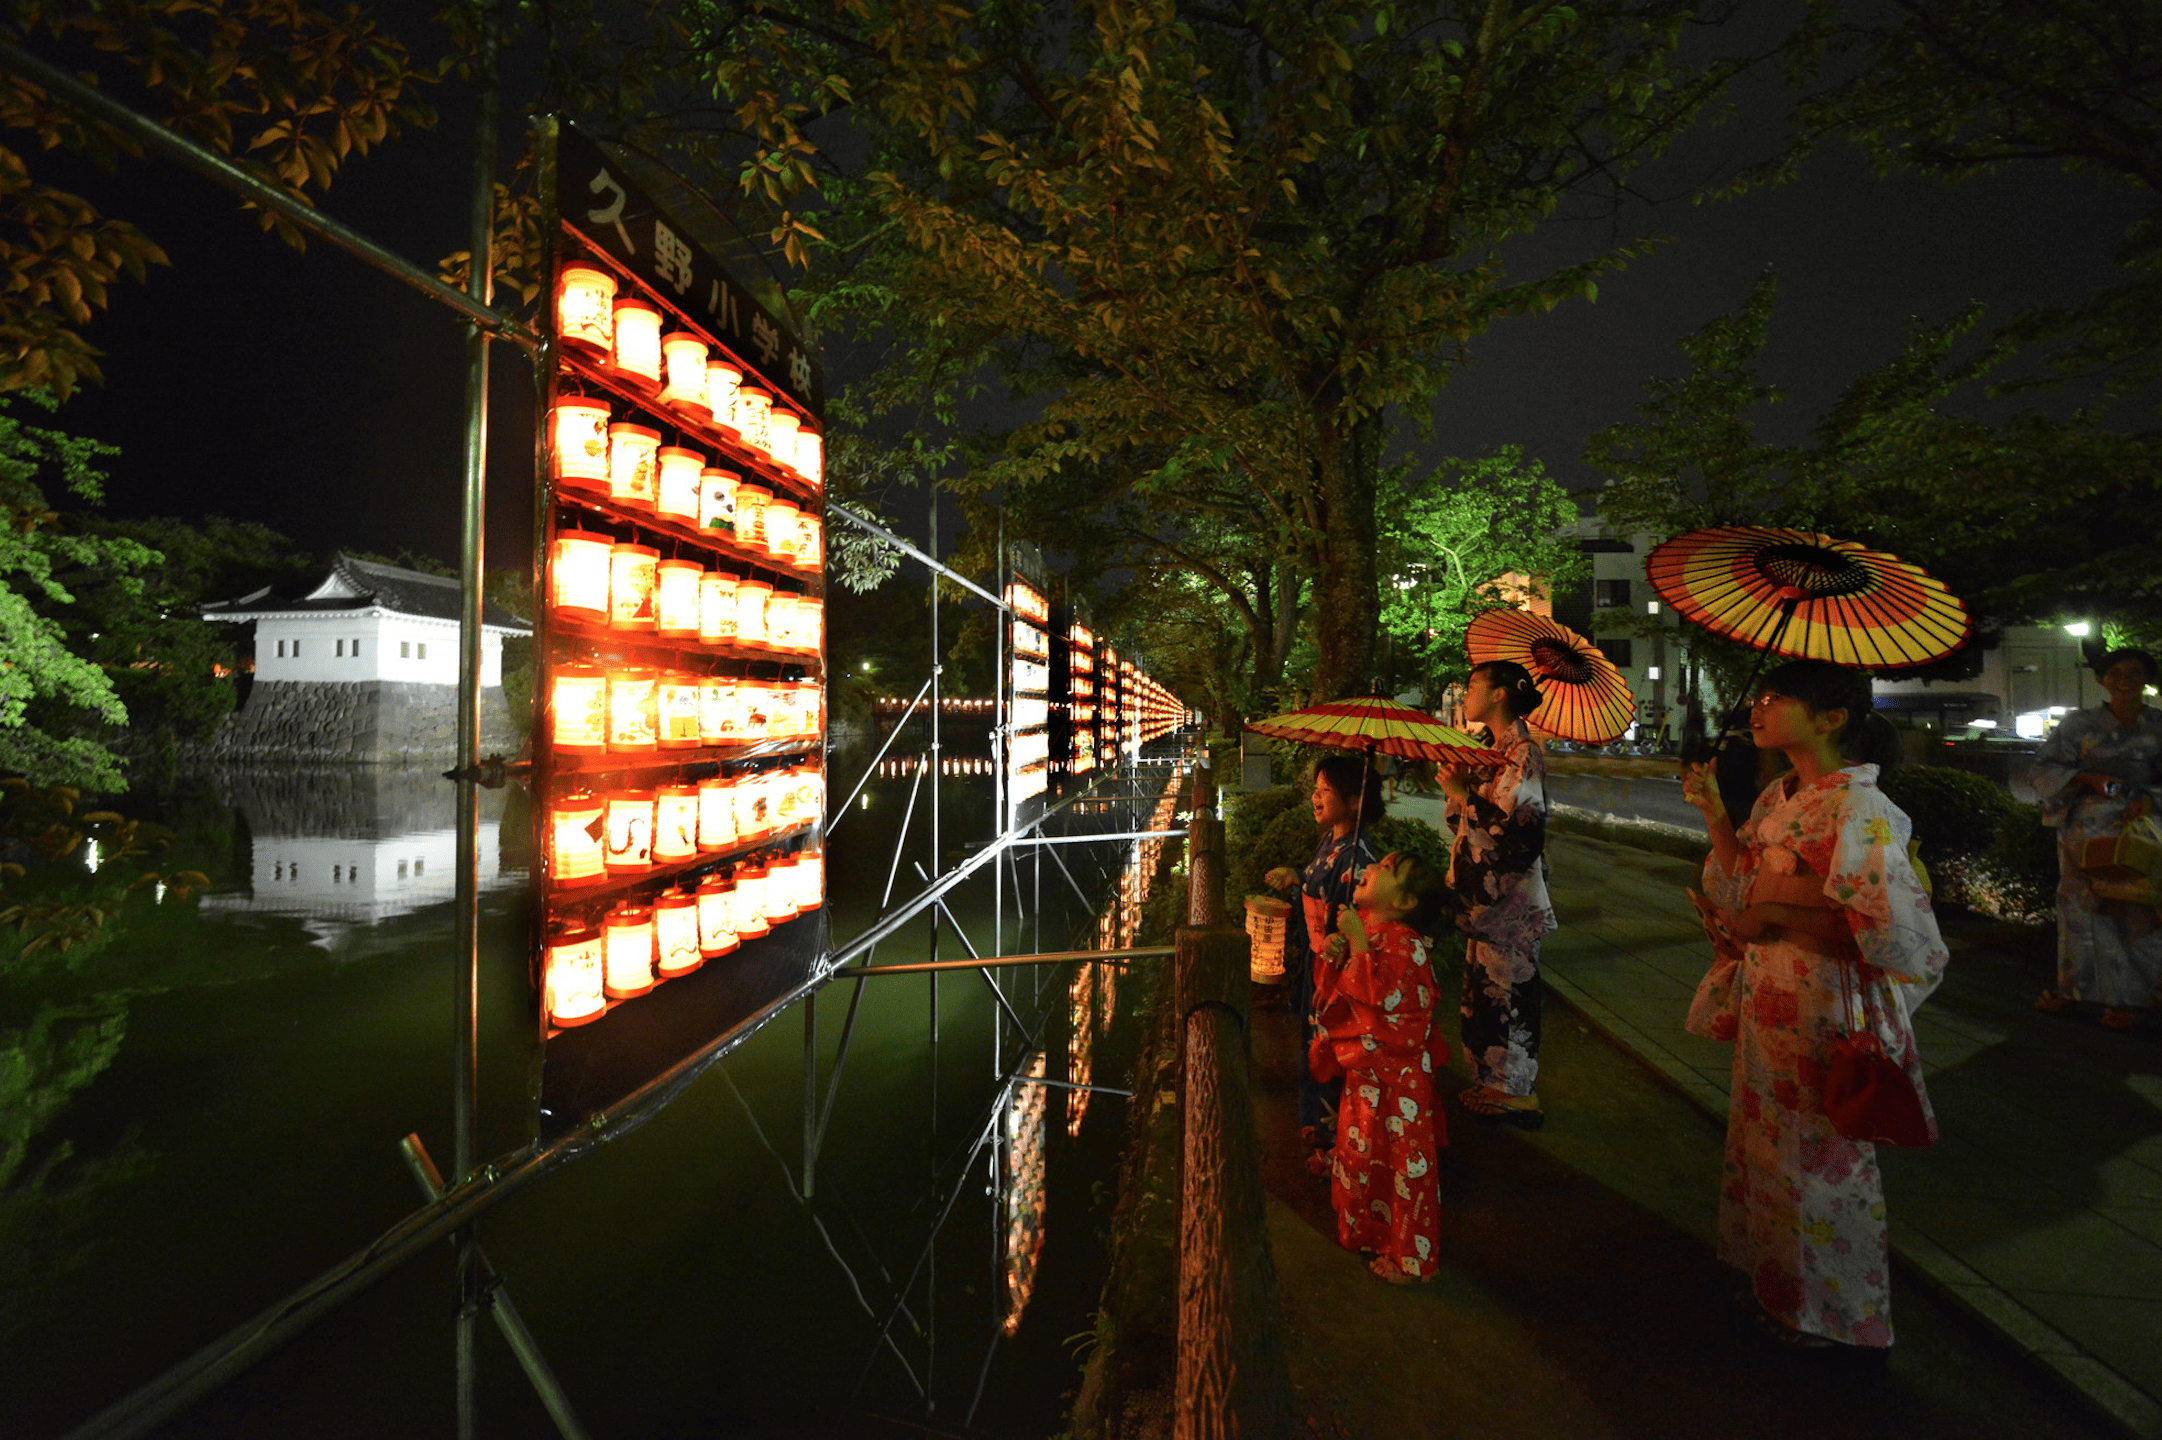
(2040, 1209)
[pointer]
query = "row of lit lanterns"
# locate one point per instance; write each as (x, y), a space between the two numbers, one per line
(603, 581)
(595, 710)
(624, 334)
(629, 832)
(951, 765)
(638, 945)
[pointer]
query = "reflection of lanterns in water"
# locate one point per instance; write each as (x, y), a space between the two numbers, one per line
(717, 915)
(716, 813)
(585, 310)
(716, 607)
(717, 500)
(1022, 1192)
(722, 383)
(574, 976)
(580, 433)
(578, 566)
(677, 710)
(631, 458)
(574, 841)
(629, 937)
(637, 356)
(578, 710)
(632, 719)
(633, 571)
(675, 824)
(630, 832)
(675, 599)
(683, 360)
(675, 495)
(675, 935)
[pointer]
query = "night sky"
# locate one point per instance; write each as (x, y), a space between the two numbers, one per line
(312, 394)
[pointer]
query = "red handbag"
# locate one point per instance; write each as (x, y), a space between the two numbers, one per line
(1867, 1094)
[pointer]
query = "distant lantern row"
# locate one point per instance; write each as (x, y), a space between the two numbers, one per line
(600, 580)
(637, 945)
(626, 464)
(628, 832)
(624, 335)
(635, 711)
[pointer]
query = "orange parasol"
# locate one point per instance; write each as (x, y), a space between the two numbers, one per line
(1376, 724)
(1586, 698)
(1808, 596)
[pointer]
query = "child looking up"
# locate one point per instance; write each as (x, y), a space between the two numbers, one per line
(1374, 998)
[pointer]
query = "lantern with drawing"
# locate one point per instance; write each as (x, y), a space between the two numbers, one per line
(637, 355)
(675, 935)
(630, 832)
(810, 879)
(751, 501)
(578, 564)
(716, 710)
(578, 432)
(578, 710)
(781, 890)
(717, 501)
(716, 813)
(754, 711)
(783, 537)
(683, 360)
(722, 383)
(573, 989)
(575, 852)
(633, 571)
(633, 720)
(716, 607)
(628, 934)
(676, 599)
(754, 809)
(585, 311)
(751, 901)
(717, 915)
(676, 492)
(751, 598)
(631, 460)
(676, 702)
(754, 408)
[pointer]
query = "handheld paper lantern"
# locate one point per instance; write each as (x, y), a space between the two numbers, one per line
(810, 879)
(675, 494)
(683, 361)
(751, 902)
(716, 813)
(716, 915)
(781, 890)
(633, 720)
(811, 457)
(637, 356)
(578, 710)
(675, 935)
(783, 537)
(754, 809)
(782, 427)
(751, 598)
(676, 599)
(716, 710)
(754, 408)
(717, 501)
(751, 501)
(630, 832)
(629, 955)
(574, 841)
(585, 310)
(677, 702)
(754, 711)
(574, 976)
(578, 564)
(579, 429)
(631, 455)
(722, 382)
(633, 571)
(716, 607)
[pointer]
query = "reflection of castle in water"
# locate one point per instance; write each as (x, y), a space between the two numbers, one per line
(355, 845)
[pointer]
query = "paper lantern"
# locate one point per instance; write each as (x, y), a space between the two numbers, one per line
(751, 598)
(751, 902)
(683, 369)
(628, 937)
(633, 720)
(579, 431)
(782, 427)
(676, 710)
(631, 457)
(722, 383)
(675, 492)
(811, 457)
(633, 571)
(811, 707)
(585, 310)
(578, 565)
(717, 501)
(716, 710)
(717, 915)
(754, 809)
(578, 710)
(811, 543)
(751, 515)
(716, 607)
(573, 986)
(716, 813)
(675, 935)
(630, 832)
(754, 409)
(754, 711)
(811, 614)
(574, 841)
(810, 879)
(781, 890)
(780, 618)
(637, 354)
(788, 807)
(676, 599)
(782, 536)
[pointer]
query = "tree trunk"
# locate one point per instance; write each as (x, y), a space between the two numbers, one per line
(1346, 608)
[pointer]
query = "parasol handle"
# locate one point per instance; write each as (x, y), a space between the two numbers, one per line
(1787, 607)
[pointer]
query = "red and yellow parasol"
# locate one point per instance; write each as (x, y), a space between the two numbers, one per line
(1585, 696)
(1379, 725)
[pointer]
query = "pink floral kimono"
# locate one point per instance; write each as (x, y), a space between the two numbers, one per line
(1801, 1208)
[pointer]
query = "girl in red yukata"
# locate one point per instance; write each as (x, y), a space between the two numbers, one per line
(1374, 1001)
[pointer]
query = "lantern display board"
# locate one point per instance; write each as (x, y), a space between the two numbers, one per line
(1073, 693)
(680, 706)
(1028, 684)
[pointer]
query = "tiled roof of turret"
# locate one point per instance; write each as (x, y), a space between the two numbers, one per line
(352, 584)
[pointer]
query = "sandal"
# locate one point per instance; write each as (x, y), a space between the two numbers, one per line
(2049, 1002)
(1793, 1339)
(1390, 1274)
(1498, 1109)
(2117, 1019)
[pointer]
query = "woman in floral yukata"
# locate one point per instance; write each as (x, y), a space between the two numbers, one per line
(1818, 886)
(1498, 871)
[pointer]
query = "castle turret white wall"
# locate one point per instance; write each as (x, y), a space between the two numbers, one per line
(368, 645)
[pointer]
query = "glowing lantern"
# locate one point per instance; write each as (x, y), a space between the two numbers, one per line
(716, 813)
(723, 381)
(781, 891)
(580, 432)
(630, 832)
(751, 598)
(675, 935)
(578, 710)
(675, 599)
(810, 543)
(716, 607)
(754, 711)
(717, 501)
(754, 409)
(751, 902)
(780, 616)
(638, 343)
(716, 915)
(810, 880)
(574, 976)
(632, 718)
(578, 564)
(631, 451)
(585, 310)
(633, 570)
(629, 938)
(676, 703)
(574, 841)
(811, 611)
(754, 809)
(782, 427)
(811, 457)
(751, 514)
(683, 362)
(675, 494)
(716, 710)
(783, 537)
